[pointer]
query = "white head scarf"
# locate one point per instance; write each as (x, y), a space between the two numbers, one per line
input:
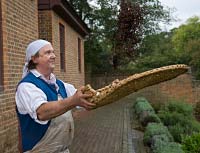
(31, 50)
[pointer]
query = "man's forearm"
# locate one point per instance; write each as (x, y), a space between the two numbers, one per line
(53, 109)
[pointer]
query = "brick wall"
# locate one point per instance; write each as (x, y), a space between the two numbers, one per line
(20, 26)
(72, 74)
(19, 22)
(45, 25)
(182, 88)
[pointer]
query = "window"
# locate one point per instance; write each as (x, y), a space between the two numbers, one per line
(79, 55)
(1, 52)
(62, 47)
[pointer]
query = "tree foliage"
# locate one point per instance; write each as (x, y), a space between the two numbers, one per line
(101, 17)
(187, 32)
(137, 18)
(116, 37)
(186, 42)
(179, 46)
(129, 32)
(83, 9)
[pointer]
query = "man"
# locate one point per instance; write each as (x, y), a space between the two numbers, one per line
(44, 103)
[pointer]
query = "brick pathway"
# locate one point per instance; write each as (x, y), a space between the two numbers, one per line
(104, 130)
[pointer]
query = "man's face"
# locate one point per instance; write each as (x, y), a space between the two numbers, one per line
(46, 59)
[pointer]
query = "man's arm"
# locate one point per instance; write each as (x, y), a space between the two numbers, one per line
(53, 109)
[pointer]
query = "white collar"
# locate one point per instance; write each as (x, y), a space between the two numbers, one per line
(52, 79)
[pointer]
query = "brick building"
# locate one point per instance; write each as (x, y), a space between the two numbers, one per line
(22, 21)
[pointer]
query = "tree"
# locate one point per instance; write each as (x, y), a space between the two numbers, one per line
(186, 32)
(157, 50)
(129, 32)
(83, 9)
(187, 43)
(137, 18)
(102, 19)
(193, 51)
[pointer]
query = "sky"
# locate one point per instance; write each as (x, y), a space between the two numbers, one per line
(184, 10)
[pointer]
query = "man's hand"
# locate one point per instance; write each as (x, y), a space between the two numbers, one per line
(80, 99)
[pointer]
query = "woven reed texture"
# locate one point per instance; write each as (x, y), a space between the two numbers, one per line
(121, 88)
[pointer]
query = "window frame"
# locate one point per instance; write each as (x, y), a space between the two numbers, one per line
(62, 47)
(1, 52)
(79, 55)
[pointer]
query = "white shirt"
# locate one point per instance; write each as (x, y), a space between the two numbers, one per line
(29, 97)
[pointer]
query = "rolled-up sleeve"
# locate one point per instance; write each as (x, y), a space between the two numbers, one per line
(70, 89)
(28, 99)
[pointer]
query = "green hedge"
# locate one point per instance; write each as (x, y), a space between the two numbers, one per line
(179, 119)
(179, 107)
(191, 144)
(148, 117)
(156, 129)
(143, 105)
(167, 147)
(145, 112)
(157, 135)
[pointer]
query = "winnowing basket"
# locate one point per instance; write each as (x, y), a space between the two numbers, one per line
(121, 88)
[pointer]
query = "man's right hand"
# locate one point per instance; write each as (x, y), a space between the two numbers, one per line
(80, 99)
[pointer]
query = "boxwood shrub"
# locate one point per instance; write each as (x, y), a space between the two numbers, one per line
(143, 105)
(167, 147)
(156, 129)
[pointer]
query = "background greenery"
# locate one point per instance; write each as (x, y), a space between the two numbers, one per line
(125, 37)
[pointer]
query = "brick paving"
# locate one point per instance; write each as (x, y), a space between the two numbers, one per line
(104, 130)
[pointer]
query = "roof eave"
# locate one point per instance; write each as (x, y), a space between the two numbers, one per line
(67, 13)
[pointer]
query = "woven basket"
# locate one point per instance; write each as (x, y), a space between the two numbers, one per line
(121, 88)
